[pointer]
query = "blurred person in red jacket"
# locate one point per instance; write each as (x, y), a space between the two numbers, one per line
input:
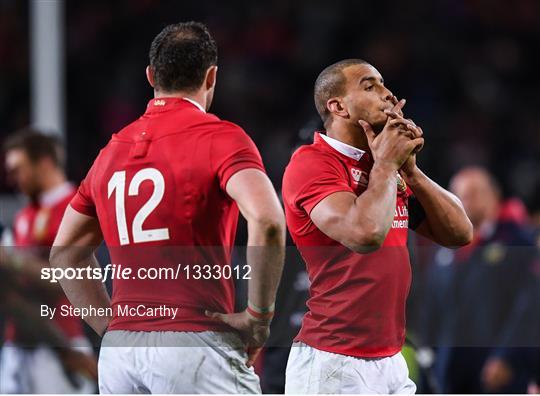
(40, 354)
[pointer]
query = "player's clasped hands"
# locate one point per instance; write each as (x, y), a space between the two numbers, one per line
(399, 139)
(406, 126)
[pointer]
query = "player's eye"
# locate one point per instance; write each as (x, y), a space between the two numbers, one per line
(369, 88)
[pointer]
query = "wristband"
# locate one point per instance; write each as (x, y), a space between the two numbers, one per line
(258, 315)
(262, 310)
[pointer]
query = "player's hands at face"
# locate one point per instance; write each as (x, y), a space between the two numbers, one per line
(398, 139)
(405, 125)
(254, 332)
(409, 128)
(396, 108)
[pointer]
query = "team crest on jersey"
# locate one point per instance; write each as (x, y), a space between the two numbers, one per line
(402, 186)
(359, 177)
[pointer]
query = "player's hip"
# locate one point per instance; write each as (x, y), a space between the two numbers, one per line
(174, 362)
(310, 370)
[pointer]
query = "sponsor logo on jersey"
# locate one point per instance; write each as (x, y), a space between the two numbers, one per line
(401, 217)
(359, 177)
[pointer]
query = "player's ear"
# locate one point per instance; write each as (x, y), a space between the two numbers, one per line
(150, 76)
(211, 77)
(337, 107)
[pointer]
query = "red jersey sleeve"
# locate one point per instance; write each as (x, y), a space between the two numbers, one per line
(232, 151)
(83, 201)
(309, 179)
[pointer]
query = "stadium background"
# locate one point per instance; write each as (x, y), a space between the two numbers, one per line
(468, 69)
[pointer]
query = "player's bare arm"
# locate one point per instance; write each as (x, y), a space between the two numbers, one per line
(259, 204)
(446, 222)
(74, 246)
(362, 222)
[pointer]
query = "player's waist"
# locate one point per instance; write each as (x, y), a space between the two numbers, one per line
(371, 331)
(172, 338)
(353, 345)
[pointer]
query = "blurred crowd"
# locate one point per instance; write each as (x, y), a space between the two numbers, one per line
(467, 69)
(468, 72)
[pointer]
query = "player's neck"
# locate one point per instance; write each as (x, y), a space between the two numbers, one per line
(197, 96)
(52, 180)
(355, 138)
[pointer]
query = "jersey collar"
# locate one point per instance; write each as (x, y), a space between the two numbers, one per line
(195, 103)
(343, 148)
(163, 104)
(55, 195)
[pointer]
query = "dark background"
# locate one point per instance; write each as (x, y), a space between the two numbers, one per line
(469, 70)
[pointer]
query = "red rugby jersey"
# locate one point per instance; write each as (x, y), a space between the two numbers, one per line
(357, 301)
(158, 191)
(34, 230)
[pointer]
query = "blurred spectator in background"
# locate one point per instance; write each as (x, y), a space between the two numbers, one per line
(481, 299)
(39, 355)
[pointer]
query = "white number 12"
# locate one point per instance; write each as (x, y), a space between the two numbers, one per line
(118, 183)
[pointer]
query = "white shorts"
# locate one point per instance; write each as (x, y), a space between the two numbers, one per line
(311, 370)
(39, 370)
(174, 362)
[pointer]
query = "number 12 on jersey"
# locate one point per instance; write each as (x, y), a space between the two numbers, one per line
(117, 184)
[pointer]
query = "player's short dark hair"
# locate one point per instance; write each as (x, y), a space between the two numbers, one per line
(180, 55)
(37, 145)
(331, 83)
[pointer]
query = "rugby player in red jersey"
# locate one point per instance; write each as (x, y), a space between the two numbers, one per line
(167, 190)
(349, 199)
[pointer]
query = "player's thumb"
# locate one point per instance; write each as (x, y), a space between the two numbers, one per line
(252, 352)
(415, 145)
(418, 144)
(368, 130)
(216, 315)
